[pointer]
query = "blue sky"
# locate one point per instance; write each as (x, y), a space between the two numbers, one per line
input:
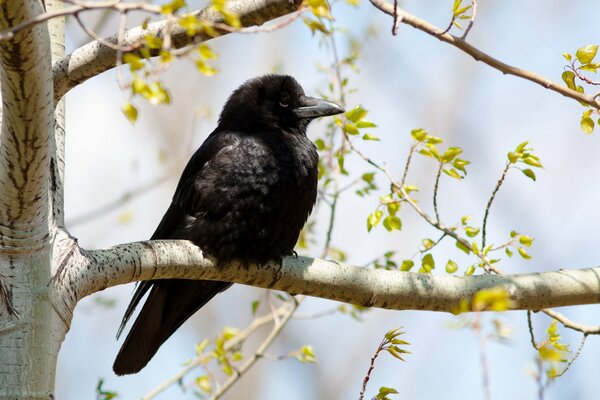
(408, 81)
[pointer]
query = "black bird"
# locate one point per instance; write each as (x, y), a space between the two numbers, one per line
(245, 195)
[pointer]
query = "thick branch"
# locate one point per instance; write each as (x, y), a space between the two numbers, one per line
(95, 270)
(483, 57)
(27, 127)
(95, 58)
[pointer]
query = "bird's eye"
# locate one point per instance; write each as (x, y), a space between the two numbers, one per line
(283, 103)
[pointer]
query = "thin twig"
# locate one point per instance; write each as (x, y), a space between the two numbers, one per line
(472, 20)
(567, 323)
(435, 192)
(485, 376)
(531, 334)
(575, 356)
(479, 55)
(115, 5)
(100, 40)
(257, 323)
(489, 204)
(371, 367)
(238, 373)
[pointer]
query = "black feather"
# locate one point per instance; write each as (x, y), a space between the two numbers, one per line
(245, 194)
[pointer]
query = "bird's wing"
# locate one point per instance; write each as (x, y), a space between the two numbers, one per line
(184, 200)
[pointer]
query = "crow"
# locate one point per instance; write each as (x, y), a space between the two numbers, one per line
(244, 195)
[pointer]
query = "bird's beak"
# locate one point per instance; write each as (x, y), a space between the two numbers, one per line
(313, 108)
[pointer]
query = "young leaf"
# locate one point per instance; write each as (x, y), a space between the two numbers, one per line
(130, 112)
(374, 219)
(586, 54)
(451, 267)
(407, 265)
(528, 172)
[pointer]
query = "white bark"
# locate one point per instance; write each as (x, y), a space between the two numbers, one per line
(94, 58)
(95, 270)
(30, 330)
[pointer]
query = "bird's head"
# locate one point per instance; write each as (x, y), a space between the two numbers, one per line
(273, 102)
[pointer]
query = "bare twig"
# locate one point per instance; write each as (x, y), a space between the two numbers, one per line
(567, 323)
(370, 370)
(238, 373)
(115, 5)
(472, 20)
(489, 204)
(479, 55)
(435, 192)
(530, 327)
(485, 376)
(257, 323)
(575, 356)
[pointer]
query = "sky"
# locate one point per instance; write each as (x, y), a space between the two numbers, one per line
(408, 81)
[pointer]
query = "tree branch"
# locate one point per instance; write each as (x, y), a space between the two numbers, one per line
(479, 55)
(93, 270)
(27, 129)
(95, 58)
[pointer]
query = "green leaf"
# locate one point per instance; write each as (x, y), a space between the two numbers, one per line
(130, 112)
(200, 347)
(206, 52)
(587, 125)
(451, 153)
(153, 42)
(508, 252)
(134, 61)
(315, 26)
(391, 223)
(393, 208)
(526, 240)
(533, 162)
(470, 270)
(407, 265)
(191, 24)
(452, 173)
(255, 305)
(205, 68)
(464, 220)
(203, 383)
(451, 267)
(384, 391)
(306, 354)
(521, 147)
(567, 56)
(433, 140)
(418, 134)
(172, 6)
(427, 263)
(471, 231)
(374, 219)
(350, 129)
(397, 352)
(365, 124)
(523, 253)
(368, 136)
(568, 77)
(586, 54)
(356, 114)
(462, 247)
(528, 172)
(427, 243)
(460, 164)
(513, 157)
(368, 177)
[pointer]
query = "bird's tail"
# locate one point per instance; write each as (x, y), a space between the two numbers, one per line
(169, 304)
